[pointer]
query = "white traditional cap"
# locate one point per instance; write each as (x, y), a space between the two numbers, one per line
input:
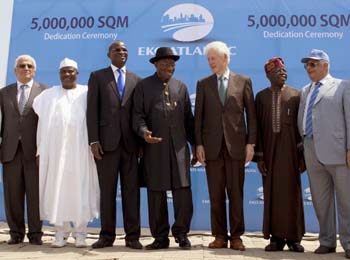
(66, 62)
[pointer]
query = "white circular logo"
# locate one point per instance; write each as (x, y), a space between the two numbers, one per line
(187, 22)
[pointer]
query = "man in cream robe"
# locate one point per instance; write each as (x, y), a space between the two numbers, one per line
(68, 184)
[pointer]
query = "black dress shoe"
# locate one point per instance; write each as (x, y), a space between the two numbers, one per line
(14, 240)
(274, 246)
(324, 250)
(158, 244)
(36, 241)
(296, 247)
(183, 242)
(134, 244)
(101, 243)
(347, 254)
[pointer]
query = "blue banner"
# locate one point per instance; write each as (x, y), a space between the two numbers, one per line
(254, 30)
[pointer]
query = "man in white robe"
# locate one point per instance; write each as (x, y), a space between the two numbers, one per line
(68, 182)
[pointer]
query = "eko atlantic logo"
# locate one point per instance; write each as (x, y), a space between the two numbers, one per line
(187, 22)
(307, 196)
(259, 198)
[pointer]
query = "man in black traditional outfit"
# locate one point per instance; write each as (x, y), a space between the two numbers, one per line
(280, 160)
(162, 116)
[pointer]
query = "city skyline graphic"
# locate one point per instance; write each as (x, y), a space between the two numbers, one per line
(182, 21)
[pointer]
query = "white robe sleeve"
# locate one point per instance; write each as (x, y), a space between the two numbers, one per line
(37, 107)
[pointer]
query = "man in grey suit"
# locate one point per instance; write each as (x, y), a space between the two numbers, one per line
(114, 145)
(18, 150)
(324, 122)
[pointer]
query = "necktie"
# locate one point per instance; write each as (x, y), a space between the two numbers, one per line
(22, 99)
(222, 90)
(121, 82)
(308, 122)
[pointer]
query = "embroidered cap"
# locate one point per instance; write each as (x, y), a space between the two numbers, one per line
(273, 63)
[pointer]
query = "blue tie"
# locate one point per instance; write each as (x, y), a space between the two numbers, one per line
(308, 123)
(121, 82)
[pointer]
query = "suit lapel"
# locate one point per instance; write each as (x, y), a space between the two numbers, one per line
(213, 84)
(328, 85)
(34, 91)
(307, 90)
(127, 89)
(111, 82)
(306, 93)
(13, 96)
(302, 106)
(232, 82)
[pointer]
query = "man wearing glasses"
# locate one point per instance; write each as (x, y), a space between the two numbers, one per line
(18, 151)
(114, 145)
(324, 122)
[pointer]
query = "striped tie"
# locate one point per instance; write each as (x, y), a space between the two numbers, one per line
(308, 123)
(22, 99)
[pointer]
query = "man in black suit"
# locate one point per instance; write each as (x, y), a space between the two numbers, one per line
(18, 150)
(114, 145)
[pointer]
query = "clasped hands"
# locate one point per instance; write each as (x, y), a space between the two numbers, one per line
(200, 153)
(263, 170)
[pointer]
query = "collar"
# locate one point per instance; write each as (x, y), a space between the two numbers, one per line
(323, 81)
(114, 68)
(158, 78)
(29, 84)
(225, 75)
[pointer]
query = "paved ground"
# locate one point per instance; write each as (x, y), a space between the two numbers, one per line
(200, 240)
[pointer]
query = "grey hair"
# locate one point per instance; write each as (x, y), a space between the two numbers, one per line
(25, 57)
(220, 48)
(329, 65)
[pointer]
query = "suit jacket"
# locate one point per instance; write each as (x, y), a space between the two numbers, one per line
(109, 118)
(330, 120)
(213, 121)
(16, 126)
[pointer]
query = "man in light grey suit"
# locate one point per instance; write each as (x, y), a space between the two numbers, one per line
(324, 122)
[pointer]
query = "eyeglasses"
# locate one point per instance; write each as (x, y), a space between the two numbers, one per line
(23, 66)
(119, 50)
(311, 64)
